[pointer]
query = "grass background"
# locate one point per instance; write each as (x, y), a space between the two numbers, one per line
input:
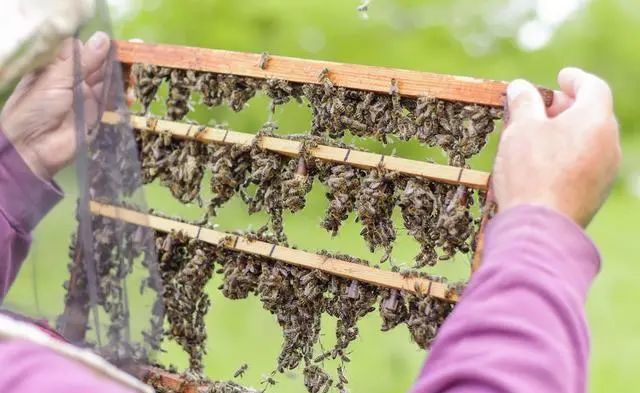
(459, 37)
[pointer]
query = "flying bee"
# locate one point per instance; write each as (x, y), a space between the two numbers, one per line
(240, 372)
(364, 6)
(267, 381)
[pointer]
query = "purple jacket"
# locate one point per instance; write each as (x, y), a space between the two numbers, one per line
(520, 326)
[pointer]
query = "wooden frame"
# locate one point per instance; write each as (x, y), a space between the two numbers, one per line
(284, 254)
(353, 76)
(440, 173)
(369, 78)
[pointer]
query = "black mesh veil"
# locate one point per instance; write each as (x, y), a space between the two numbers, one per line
(114, 262)
(111, 300)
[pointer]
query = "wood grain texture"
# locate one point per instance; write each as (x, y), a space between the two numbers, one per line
(173, 382)
(168, 380)
(287, 255)
(436, 172)
(377, 79)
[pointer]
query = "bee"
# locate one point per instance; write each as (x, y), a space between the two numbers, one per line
(393, 89)
(364, 6)
(264, 59)
(343, 379)
(327, 386)
(191, 77)
(322, 357)
(240, 372)
(267, 381)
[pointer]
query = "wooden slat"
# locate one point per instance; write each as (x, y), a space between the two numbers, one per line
(288, 255)
(362, 77)
(171, 381)
(441, 173)
(167, 380)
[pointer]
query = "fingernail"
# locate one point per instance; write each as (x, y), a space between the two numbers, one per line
(98, 40)
(516, 88)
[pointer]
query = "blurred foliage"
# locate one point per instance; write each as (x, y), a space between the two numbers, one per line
(457, 37)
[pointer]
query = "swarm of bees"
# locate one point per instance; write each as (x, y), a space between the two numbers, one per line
(349, 301)
(296, 296)
(374, 205)
(266, 168)
(179, 165)
(186, 266)
(459, 129)
(437, 215)
(342, 183)
(112, 177)
(229, 167)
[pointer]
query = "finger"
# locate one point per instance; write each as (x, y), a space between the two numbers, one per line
(591, 94)
(95, 52)
(524, 101)
(561, 102)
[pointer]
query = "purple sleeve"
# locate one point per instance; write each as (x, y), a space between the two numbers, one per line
(26, 367)
(520, 326)
(24, 200)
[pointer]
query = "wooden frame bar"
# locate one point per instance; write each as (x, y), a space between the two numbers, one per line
(441, 173)
(166, 379)
(288, 255)
(353, 76)
(171, 381)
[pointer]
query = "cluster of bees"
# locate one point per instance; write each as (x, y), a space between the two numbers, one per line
(296, 296)
(437, 215)
(116, 247)
(459, 129)
(185, 267)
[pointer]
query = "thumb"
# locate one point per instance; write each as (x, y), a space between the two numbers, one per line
(93, 56)
(524, 101)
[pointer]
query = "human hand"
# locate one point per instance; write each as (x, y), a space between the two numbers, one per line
(564, 157)
(38, 118)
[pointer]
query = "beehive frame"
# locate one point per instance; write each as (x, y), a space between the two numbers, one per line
(361, 77)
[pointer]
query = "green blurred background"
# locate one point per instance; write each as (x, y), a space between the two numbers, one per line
(499, 39)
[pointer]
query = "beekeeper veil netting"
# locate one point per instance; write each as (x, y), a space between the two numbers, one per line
(91, 277)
